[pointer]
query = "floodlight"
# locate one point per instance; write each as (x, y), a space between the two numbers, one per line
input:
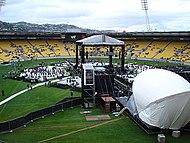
(144, 4)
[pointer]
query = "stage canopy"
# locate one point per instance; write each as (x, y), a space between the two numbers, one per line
(100, 40)
(162, 98)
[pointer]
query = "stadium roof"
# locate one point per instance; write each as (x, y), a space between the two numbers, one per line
(162, 98)
(100, 40)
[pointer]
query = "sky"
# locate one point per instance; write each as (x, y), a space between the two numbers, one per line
(119, 15)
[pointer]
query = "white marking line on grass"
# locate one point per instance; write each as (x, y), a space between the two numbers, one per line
(13, 96)
(3, 109)
(23, 91)
(83, 129)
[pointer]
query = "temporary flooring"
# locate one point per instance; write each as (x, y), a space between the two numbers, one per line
(98, 117)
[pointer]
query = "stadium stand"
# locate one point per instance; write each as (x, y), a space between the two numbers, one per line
(169, 52)
(55, 46)
(51, 50)
(90, 50)
(102, 51)
(97, 51)
(140, 47)
(70, 48)
(162, 48)
(8, 51)
(60, 48)
(117, 51)
(129, 48)
(40, 47)
(24, 49)
(155, 48)
(182, 52)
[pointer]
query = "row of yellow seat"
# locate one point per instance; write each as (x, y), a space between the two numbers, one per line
(21, 49)
(166, 50)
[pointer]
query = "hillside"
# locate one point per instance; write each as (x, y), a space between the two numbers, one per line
(52, 28)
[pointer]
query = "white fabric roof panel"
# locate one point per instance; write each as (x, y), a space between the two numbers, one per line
(100, 40)
(162, 98)
(88, 66)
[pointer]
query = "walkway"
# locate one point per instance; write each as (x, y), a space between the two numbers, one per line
(23, 91)
(64, 80)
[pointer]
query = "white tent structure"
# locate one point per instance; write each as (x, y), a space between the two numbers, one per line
(162, 98)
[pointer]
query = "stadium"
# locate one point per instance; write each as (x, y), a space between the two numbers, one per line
(28, 54)
(95, 87)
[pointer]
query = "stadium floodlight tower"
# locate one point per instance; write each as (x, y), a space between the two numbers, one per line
(144, 4)
(2, 3)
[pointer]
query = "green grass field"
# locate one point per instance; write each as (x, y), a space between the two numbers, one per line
(33, 100)
(124, 130)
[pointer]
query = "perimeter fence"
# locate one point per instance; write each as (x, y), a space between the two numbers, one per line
(9, 126)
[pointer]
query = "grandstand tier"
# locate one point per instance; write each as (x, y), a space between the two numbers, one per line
(156, 46)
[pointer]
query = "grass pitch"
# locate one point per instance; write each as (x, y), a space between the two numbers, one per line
(33, 100)
(70, 120)
(124, 130)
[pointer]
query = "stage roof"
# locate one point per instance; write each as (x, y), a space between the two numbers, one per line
(100, 40)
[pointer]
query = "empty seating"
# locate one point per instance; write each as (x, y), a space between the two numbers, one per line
(150, 49)
(8, 51)
(166, 50)
(70, 48)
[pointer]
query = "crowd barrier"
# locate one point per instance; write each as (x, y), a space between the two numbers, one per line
(9, 126)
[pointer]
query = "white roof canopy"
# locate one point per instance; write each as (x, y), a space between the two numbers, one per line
(88, 66)
(162, 98)
(100, 40)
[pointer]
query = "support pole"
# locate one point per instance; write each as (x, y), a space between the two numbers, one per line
(122, 58)
(110, 56)
(77, 56)
(82, 55)
(82, 80)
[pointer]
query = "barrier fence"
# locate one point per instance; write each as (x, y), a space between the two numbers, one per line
(9, 126)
